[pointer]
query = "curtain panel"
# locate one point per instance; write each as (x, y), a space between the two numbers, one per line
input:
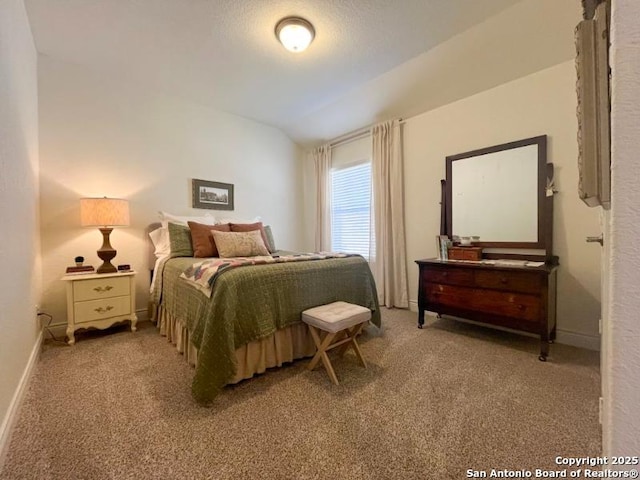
(389, 265)
(322, 163)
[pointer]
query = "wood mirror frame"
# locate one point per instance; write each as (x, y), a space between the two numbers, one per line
(544, 202)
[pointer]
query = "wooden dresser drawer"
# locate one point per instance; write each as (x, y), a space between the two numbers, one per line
(450, 276)
(504, 304)
(508, 281)
(103, 308)
(100, 288)
(448, 295)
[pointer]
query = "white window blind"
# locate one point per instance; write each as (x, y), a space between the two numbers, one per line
(351, 209)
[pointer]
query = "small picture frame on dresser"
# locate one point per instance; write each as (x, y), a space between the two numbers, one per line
(442, 244)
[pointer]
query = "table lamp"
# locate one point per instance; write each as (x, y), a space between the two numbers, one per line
(105, 213)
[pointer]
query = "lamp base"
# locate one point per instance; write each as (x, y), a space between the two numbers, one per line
(106, 267)
(106, 253)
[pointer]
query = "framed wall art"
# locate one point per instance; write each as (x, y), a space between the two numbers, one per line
(212, 195)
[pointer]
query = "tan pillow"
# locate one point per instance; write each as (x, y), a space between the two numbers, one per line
(202, 239)
(239, 244)
(249, 227)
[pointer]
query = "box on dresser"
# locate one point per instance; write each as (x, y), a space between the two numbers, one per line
(465, 253)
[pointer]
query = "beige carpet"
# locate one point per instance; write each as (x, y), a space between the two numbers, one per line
(432, 404)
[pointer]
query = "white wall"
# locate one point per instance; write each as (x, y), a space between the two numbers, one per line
(527, 37)
(541, 103)
(102, 136)
(20, 283)
(621, 325)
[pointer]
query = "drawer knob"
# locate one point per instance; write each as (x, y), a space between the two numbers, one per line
(103, 310)
(444, 274)
(503, 280)
(103, 289)
(521, 307)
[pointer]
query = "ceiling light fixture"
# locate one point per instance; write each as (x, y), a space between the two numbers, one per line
(295, 33)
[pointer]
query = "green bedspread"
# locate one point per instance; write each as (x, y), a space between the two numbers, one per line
(252, 302)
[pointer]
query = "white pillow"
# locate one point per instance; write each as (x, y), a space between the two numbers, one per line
(238, 220)
(165, 217)
(239, 244)
(160, 239)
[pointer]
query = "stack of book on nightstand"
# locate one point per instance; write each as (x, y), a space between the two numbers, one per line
(80, 269)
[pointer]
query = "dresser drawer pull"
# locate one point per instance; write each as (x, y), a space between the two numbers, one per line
(103, 289)
(503, 280)
(521, 307)
(103, 310)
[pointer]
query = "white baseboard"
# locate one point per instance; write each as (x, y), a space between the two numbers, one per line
(142, 314)
(564, 337)
(575, 339)
(12, 413)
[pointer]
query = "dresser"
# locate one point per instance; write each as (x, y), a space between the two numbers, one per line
(517, 297)
(99, 301)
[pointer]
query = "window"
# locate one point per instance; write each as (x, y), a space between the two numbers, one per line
(351, 209)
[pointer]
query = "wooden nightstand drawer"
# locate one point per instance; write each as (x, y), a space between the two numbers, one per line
(100, 288)
(101, 309)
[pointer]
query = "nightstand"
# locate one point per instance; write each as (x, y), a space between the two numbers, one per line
(99, 300)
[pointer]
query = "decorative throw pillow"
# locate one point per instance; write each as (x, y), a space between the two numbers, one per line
(238, 220)
(239, 244)
(271, 243)
(160, 239)
(202, 239)
(250, 227)
(180, 240)
(166, 217)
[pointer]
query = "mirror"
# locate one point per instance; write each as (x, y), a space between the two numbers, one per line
(498, 194)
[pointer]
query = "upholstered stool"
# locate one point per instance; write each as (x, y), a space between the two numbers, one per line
(328, 323)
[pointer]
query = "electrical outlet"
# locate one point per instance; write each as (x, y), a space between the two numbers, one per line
(37, 316)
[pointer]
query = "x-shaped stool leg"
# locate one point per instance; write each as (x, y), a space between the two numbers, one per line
(325, 344)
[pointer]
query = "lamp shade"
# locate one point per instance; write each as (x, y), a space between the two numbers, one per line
(104, 212)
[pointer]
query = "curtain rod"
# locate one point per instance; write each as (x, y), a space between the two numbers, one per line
(354, 135)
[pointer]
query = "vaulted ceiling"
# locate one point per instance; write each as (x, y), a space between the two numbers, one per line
(224, 54)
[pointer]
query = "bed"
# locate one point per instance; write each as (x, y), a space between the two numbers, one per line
(250, 320)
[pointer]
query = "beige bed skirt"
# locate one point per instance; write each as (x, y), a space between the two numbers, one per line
(282, 347)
